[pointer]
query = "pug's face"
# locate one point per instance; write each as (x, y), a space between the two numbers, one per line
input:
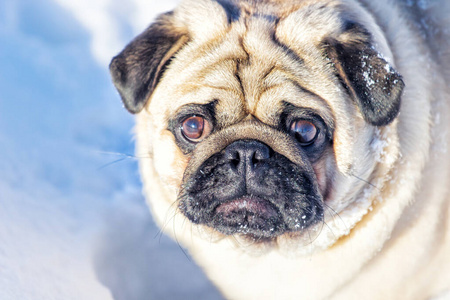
(260, 122)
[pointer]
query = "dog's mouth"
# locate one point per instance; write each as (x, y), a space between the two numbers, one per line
(245, 208)
(248, 215)
(247, 195)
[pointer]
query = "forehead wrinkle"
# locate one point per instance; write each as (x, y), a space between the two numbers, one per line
(201, 59)
(275, 76)
(291, 91)
(197, 83)
(218, 74)
(321, 105)
(252, 75)
(266, 54)
(252, 70)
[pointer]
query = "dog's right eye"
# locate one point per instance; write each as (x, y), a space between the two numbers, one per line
(304, 131)
(195, 128)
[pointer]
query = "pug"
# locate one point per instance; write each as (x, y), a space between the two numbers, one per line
(298, 149)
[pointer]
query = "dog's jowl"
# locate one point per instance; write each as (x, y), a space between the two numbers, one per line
(299, 149)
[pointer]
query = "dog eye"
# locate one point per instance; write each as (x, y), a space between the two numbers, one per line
(304, 131)
(195, 128)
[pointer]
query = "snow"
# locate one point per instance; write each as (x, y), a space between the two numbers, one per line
(422, 4)
(379, 144)
(73, 221)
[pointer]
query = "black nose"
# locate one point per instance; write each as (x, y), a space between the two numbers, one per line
(247, 155)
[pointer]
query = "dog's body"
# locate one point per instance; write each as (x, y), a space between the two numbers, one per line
(273, 145)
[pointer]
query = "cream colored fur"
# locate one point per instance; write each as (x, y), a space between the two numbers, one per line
(389, 239)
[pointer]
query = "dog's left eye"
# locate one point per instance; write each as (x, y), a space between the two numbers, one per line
(304, 131)
(195, 128)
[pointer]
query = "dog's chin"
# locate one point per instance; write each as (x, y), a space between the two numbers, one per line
(257, 219)
(248, 215)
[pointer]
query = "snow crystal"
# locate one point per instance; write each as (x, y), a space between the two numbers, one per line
(367, 76)
(387, 67)
(378, 145)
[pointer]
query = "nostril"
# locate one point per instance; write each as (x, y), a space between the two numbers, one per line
(236, 160)
(256, 158)
(260, 155)
(233, 157)
(248, 153)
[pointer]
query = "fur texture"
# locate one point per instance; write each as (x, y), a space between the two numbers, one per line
(359, 212)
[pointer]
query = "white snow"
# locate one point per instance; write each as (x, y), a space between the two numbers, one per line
(72, 225)
(379, 144)
(106, 19)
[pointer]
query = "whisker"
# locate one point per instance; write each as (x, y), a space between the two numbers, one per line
(172, 209)
(363, 180)
(183, 223)
(331, 230)
(236, 240)
(176, 238)
(111, 163)
(160, 232)
(123, 156)
(334, 213)
(320, 231)
(310, 239)
(126, 155)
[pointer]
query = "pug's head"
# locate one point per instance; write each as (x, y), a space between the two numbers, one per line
(261, 121)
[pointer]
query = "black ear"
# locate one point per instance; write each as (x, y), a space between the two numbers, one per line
(136, 70)
(372, 83)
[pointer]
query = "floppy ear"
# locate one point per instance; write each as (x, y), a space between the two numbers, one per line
(371, 82)
(137, 69)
